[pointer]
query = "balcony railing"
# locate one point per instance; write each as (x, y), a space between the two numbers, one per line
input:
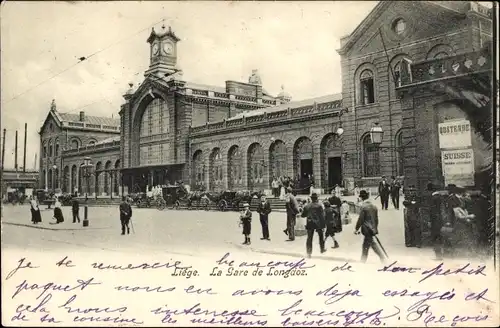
(268, 117)
(448, 67)
(92, 126)
(91, 148)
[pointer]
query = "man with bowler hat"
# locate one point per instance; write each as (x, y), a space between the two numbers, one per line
(125, 215)
(315, 215)
(383, 192)
(292, 209)
(368, 223)
(264, 208)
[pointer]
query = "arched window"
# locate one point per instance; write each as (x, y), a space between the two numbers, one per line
(51, 149)
(44, 151)
(366, 87)
(402, 72)
(155, 121)
(371, 158)
(440, 55)
(235, 168)
(74, 144)
(91, 143)
(57, 148)
(198, 169)
(216, 175)
(399, 154)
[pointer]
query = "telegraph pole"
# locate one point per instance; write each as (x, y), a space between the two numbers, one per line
(15, 159)
(3, 148)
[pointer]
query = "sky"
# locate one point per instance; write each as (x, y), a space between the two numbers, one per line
(291, 43)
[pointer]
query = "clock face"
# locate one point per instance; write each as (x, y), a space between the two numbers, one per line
(155, 49)
(168, 48)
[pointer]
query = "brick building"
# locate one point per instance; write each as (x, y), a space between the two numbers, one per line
(65, 139)
(239, 136)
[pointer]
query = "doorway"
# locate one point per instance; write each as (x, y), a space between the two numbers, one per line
(334, 172)
(306, 167)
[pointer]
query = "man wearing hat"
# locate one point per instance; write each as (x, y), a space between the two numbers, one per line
(384, 191)
(315, 215)
(368, 223)
(292, 209)
(246, 221)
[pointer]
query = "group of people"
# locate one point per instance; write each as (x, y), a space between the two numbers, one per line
(392, 189)
(36, 216)
(323, 219)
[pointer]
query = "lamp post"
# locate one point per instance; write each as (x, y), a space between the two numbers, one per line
(87, 172)
(54, 168)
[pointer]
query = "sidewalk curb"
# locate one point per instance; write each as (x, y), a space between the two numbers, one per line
(51, 229)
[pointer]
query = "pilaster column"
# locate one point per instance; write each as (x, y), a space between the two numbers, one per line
(206, 169)
(317, 165)
(290, 169)
(244, 156)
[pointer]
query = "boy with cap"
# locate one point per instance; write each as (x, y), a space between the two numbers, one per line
(246, 221)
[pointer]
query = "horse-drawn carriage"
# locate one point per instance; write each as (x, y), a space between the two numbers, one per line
(142, 200)
(173, 197)
(232, 200)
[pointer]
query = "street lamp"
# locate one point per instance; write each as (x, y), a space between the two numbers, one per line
(87, 168)
(376, 134)
(54, 168)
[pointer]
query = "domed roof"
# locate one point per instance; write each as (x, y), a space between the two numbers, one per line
(255, 78)
(283, 94)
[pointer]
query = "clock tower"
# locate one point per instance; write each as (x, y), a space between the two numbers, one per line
(163, 53)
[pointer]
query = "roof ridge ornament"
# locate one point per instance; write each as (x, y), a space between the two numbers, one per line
(53, 105)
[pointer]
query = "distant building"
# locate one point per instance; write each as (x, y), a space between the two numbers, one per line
(18, 180)
(239, 136)
(65, 139)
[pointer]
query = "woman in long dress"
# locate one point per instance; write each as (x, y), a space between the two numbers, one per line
(36, 217)
(58, 215)
(282, 192)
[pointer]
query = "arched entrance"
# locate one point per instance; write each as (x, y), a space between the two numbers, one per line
(303, 163)
(331, 162)
(107, 178)
(277, 159)
(256, 167)
(198, 171)
(235, 168)
(215, 173)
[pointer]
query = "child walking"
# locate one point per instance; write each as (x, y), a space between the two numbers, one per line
(333, 223)
(246, 221)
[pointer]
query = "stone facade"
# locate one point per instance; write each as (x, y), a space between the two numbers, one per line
(394, 34)
(65, 139)
(239, 136)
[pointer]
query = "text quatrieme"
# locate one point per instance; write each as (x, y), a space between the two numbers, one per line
(320, 304)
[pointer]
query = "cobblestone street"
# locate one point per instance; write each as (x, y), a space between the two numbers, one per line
(188, 232)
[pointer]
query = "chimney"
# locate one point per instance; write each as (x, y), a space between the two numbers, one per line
(25, 142)
(82, 116)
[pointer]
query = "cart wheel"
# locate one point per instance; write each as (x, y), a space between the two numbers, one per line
(222, 205)
(160, 205)
(139, 203)
(177, 205)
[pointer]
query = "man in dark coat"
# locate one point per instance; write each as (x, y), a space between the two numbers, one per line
(75, 209)
(315, 215)
(368, 223)
(292, 209)
(395, 189)
(125, 215)
(264, 208)
(383, 192)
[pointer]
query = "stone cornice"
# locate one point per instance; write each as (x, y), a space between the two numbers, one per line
(259, 121)
(220, 101)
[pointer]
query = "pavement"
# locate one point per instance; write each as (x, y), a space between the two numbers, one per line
(189, 233)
